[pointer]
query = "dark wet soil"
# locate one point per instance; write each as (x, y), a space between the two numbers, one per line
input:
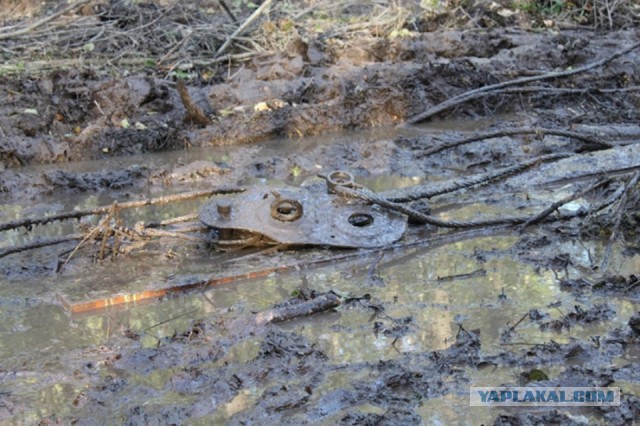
(52, 124)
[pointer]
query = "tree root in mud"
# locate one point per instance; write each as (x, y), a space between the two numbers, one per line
(495, 88)
(110, 227)
(520, 131)
(555, 206)
(187, 196)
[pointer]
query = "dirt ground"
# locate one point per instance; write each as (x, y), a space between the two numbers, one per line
(120, 81)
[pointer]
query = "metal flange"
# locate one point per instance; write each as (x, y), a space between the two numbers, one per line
(301, 217)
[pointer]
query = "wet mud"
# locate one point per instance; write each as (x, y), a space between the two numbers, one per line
(550, 304)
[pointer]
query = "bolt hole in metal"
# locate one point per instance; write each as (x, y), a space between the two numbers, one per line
(286, 210)
(361, 220)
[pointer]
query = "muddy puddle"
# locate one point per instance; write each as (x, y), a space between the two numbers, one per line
(417, 326)
(429, 296)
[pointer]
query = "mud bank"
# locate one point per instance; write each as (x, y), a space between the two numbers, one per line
(315, 88)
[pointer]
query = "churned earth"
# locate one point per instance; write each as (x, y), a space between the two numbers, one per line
(395, 336)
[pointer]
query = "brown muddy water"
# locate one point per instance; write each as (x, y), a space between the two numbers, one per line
(51, 360)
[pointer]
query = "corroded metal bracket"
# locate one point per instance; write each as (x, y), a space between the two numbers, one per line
(301, 216)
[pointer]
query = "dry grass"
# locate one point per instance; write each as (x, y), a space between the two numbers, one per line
(174, 37)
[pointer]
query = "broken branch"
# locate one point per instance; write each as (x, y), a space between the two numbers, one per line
(619, 213)
(518, 131)
(43, 21)
(553, 207)
(39, 243)
(483, 91)
(299, 310)
(243, 27)
(105, 209)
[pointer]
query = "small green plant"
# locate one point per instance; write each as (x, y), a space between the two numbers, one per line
(545, 7)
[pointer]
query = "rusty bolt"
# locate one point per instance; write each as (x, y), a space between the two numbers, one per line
(224, 208)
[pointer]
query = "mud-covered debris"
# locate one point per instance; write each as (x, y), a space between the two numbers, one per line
(147, 360)
(277, 344)
(634, 323)
(391, 416)
(92, 181)
(465, 350)
(618, 285)
(16, 151)
(555, 417)
(614, 285)
(580, 316)
(282, 398)
(198, 170)
(626, 413)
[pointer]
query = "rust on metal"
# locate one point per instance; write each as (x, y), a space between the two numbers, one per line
(300, 216)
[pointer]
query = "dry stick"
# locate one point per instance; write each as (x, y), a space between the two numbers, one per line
(130, 204)
(243, 27)
(43, 21)
(518, 323)
(303, 309)
(553, 207)
(228, 11)
(102, 62)
(480, 92)
(85, 239)
(106, 233)
(172, 221)
(619, 213)
(512, 132)
(468, 275)
(560, 91)
(39, 243)
(169, 234)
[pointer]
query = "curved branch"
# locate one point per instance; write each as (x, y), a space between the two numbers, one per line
(483, 91)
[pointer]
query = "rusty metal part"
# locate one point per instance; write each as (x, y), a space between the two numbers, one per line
(339, 178)
(302, 217)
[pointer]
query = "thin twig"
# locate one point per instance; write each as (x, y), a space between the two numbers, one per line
(518, 323)
(480, 92)
(228, 11)
(85, 239)
(553, 207)
(169, 234)
(29, 222)
(172, 221)
(243, 27)
(418, 192)
(43, 21)
(309, 307)
(468, 275)
(619, 213)
(39, 243)
(517, 131)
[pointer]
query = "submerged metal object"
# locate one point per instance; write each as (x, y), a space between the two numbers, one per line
(304, 217)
